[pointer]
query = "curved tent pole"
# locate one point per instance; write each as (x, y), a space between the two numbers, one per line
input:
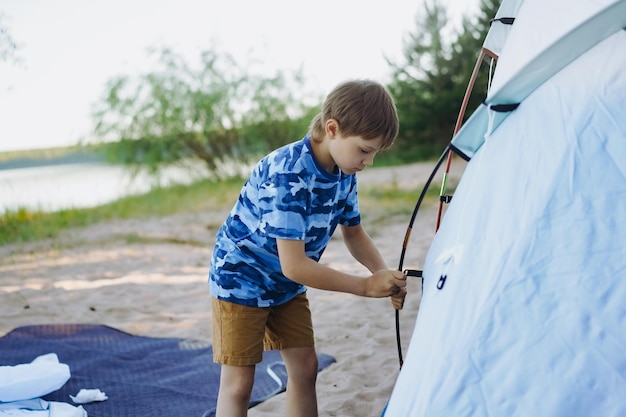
(447, 153)
(459, 121)
(407, 236)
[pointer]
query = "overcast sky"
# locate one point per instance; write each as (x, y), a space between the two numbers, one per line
(68, 49)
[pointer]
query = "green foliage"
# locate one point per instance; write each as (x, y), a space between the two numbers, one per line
(429, 86)
(49, 156)
(220, 113)
(217, 112)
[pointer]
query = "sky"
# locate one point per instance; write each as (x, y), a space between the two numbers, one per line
(69, 49)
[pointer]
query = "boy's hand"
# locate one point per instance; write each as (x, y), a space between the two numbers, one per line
(397, 301)
(385, 283)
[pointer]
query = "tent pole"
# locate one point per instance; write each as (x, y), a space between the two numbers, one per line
(459, 121)
(483, 53)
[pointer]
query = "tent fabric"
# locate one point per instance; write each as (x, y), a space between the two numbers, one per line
(142, 376)
(536, 56)
(530, 320)
(499, 32)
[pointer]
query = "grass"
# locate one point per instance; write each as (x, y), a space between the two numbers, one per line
(378, 204)
(381, 205)
(25, 225)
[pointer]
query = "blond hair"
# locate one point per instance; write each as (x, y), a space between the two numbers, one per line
(361, 108)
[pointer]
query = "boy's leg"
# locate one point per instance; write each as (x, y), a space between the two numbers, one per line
(238, 333)
(301, 364)
(233, 398)
(290, 330)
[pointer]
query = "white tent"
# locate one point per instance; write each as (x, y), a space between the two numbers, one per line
(524, 303)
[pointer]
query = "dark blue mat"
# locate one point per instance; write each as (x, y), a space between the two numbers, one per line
(142, 376)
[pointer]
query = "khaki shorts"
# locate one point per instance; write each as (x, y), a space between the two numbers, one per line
(240, 333)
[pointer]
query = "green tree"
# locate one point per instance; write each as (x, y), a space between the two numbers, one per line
(217, 113)
(467, 48)
(430, 84)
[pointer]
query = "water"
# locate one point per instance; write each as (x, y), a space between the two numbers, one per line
(51, 188)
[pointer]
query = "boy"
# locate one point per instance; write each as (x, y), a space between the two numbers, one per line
(268, 249)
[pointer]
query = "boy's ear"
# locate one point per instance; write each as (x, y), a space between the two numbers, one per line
(332, 128)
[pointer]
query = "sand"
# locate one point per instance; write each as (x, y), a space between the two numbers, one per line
(149, 277)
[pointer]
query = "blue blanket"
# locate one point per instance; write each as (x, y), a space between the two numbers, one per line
(142, 376)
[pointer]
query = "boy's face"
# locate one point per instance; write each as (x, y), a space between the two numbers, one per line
(353, 153)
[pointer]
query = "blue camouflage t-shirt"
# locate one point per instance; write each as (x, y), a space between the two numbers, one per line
(288, 196)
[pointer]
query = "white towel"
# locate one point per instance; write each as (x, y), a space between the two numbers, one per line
(32, 380)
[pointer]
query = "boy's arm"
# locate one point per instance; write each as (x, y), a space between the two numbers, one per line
(363, 250)
(298, 267)
(362, 247)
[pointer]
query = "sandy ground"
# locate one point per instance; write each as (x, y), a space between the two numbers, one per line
(149, 277)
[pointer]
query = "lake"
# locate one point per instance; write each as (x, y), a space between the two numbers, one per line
(56, 187)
